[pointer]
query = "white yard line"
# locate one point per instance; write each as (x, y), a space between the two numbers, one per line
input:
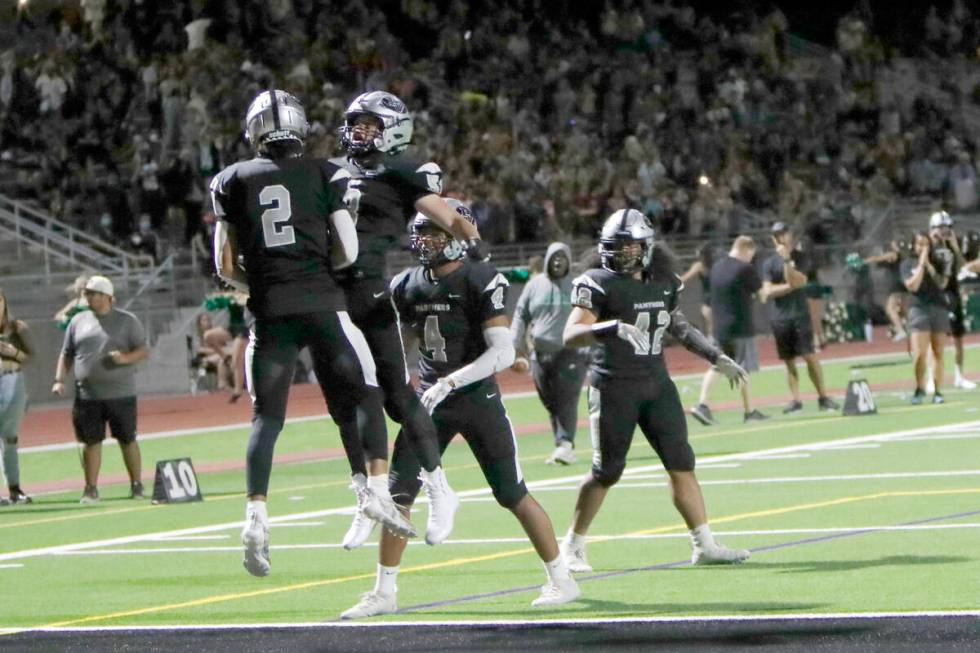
(213, 528)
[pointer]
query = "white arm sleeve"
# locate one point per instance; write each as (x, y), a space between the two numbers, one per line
(343, 249)
(498, 356)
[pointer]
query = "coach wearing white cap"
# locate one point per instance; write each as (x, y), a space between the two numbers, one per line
(102, 346)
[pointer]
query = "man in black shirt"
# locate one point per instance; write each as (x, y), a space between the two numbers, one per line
(734, 283)
(791, 325)
(622, 310)
(456, 310)
(282, 213)
(387, 185)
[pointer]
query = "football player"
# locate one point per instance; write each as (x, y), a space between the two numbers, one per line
(455, 308)
(623, 310)
(281, 212)
(387, 186)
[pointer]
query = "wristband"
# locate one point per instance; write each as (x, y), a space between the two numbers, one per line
(607, 328)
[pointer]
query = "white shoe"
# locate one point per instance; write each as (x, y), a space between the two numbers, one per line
(372, 604)
(717, 555)
(930, 385)
(964, 383)
(255, 539)
(384, 511)
(899, 336)
(557, 592)
(574, 557)
(563, 454)
(443, 504)
(362, 526)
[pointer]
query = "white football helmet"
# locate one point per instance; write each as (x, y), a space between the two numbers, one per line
(396, 124)
(275, 116)
(437, 249)
(621, 229)
(940, 219)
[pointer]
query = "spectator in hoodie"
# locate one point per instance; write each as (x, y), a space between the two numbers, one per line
(558, 372)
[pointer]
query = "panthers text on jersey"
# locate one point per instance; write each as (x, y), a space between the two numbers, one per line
(447, 315)
(279, 210)
(645, 304)
(382, 201)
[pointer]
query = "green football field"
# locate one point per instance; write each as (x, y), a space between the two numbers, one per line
(869, 514)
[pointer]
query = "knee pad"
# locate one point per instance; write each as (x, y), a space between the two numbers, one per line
(608, 475)
(403, 488)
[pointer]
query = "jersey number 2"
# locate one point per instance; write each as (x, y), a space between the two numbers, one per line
(643, 324)
(273, 231)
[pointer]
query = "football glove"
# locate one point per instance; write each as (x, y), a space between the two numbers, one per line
(434, 395)
(735, 373)
(632, 335)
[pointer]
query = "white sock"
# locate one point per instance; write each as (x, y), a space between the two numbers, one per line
(378, 484)
(702, 537)
(257, 508)
(557, 570)
(959, 374)
(576, 540)
(385, 582)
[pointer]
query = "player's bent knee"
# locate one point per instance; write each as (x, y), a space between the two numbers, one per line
(608, 475)
(508, 497)
(678, 458)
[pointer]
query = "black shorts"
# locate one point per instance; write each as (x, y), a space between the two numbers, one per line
(618, 406)
(957, 317)
(793, 339)
(477, 413)
(89, 417)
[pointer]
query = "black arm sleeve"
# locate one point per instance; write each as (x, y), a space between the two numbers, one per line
(693, 340)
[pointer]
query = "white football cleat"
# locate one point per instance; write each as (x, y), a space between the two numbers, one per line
(574, 557)
(384, 511)
(443, 504)
(371, 605)
(718, 554)
(362, 526)
(557, 592)
(563, 454)
(255, 539)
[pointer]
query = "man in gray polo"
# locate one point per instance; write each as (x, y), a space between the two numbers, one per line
(101, 348)
(558, 372)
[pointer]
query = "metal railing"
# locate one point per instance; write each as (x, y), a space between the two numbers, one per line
(62, 242)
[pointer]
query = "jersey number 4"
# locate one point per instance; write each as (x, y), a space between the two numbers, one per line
(273, 231)
(643, 324)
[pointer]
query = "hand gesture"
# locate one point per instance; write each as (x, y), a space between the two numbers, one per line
(434, 395)
(735, 373)
(116, 356)
(634, 336)
(521, 365)
(8, 349)
(58, 388)
(783, 251)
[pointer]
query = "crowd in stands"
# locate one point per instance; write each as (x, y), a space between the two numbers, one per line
(114, 113)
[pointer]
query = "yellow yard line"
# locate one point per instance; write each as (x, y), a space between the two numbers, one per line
(458, 562)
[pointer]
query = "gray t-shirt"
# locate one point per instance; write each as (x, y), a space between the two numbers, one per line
(88, 341)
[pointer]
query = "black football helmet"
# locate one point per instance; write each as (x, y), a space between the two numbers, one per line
(622, 229)
(433, 244)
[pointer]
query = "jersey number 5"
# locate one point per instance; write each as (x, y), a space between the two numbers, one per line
(643, 324)
(273, 231)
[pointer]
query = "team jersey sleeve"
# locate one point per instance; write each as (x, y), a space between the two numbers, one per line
(675, 296)
(420, 178)
(337, 178)
(222, 196)
(491, 287)
(589, 294)
(397, 290)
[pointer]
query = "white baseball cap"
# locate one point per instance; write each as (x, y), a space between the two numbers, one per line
(940, 219)
(100, 284)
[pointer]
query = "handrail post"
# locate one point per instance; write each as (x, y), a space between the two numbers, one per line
(17, 228)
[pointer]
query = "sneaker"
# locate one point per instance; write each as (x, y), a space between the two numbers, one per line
(384, 511)
(90, 494)
(717, 555)
(136, 490)
(564, 454)
(574, 557)
(443, 504)
(918, 396)
(826, 403)
(755, 416)
(899, 336)
(557, 592)
(793, 407)
(371, 605)
(18, 496)
(938, 398)
(964, 383)
(702, 413)
(255, 539)
(362, 526)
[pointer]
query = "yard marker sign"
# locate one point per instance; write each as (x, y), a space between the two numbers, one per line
(175, 482)
(859, 399)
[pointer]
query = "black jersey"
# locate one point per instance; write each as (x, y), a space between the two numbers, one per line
(279, 210)
(447, 315)
(645, 304)
(382, 201)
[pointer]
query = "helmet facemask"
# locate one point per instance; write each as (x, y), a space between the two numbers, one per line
(394, 120)
(433, 245)
(621, 231)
